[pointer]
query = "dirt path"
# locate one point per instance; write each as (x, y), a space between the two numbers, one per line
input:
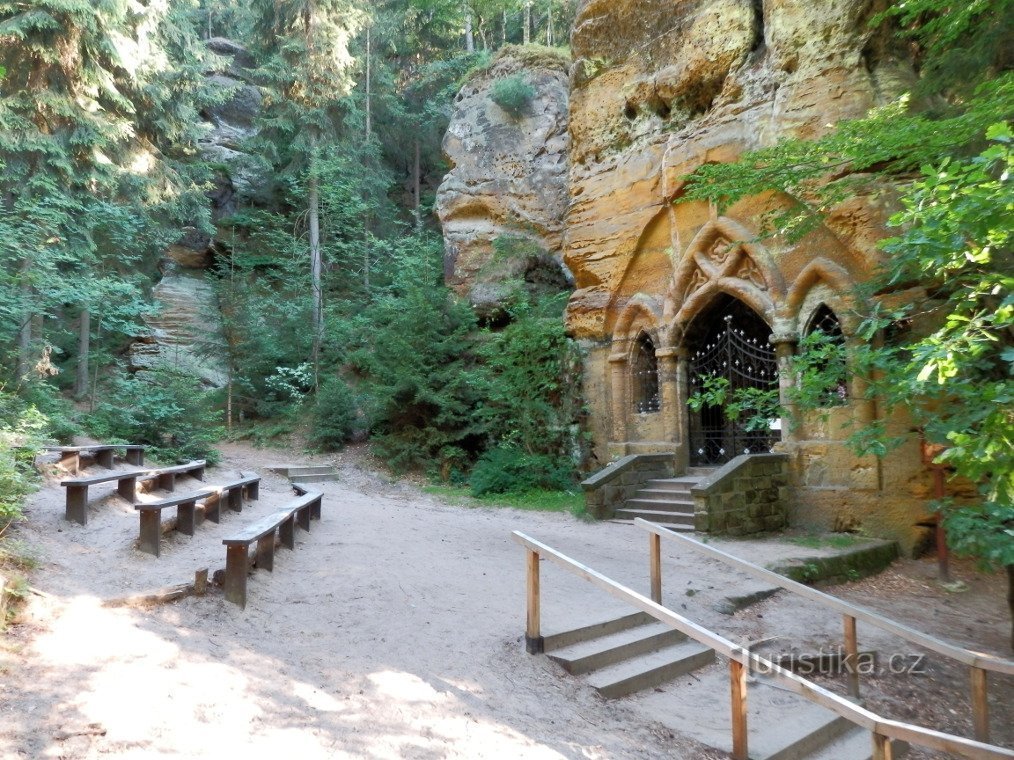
(394, 630)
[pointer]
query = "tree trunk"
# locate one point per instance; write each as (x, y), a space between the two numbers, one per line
(527, 34)
(469, 37)
(1010, 601)
(369, 75)
(504, 26)
(83, 352)
(313, 201)
(549, 25)
(25, 333)
(417, 185)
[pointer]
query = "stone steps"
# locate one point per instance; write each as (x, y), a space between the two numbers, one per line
(626, 655)
(666, 501)
(669, 519)
(305, 473)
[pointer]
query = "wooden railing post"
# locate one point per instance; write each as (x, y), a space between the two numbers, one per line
(883, 749)
(737, 677)
(851, 655)
(533, 632)
(655, 552)
(980, 705)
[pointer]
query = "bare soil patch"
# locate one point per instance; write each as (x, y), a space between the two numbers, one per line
(394, 630)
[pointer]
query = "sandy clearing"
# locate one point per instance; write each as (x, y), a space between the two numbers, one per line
(393, 630)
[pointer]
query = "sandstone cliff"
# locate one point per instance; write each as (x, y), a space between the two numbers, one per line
(661, 87)
(502, 204)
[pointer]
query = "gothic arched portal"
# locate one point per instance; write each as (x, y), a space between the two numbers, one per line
(727, 342)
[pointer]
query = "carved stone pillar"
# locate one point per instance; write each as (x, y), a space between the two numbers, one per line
(618, 386)
(785, 349)
(668, 392)
(681, 413)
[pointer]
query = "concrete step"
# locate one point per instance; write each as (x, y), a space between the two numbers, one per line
(669, 519)
(663, 505)
(780, 725)
(649, 670)
(675, 497)
(671, 485)
(288, 470)
(855, 744)
(327, 477)
(602, 652)
(699, 472)
(561, 639)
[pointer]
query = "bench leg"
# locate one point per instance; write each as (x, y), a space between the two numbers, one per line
(287, 532)
(253, 491)
(135, 457)
(70, 461)
(315, 509)
(235, 574)
(127, 488)
(151, 531)
(186, 517)
(77, 504)
(236, 499)
(266, 552)
(198, 473)
(104, 458)
(213, 508)
(167, 481)
(303, 517)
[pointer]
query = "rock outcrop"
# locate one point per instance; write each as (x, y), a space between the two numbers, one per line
(502, 204)
(239, 177)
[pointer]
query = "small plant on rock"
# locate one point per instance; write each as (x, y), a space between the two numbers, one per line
(512, 94)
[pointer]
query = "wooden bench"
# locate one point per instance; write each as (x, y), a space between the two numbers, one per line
(186, 509)
(70, 456)
(262, 531)
(126, 485)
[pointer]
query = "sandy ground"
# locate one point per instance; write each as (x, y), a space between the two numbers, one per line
(394, 630)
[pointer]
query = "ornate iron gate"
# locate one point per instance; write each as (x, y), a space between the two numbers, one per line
(744, 357)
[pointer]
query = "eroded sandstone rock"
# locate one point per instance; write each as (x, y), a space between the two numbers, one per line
(503, 202)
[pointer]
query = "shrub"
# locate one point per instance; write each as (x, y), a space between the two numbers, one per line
(166, 410)
(334, 415)
(506, 469)
(512, 94)
(22, 430)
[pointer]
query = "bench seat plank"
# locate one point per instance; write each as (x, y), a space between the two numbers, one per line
(126, 486)
(262, 531)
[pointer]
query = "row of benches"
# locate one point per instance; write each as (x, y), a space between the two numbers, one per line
(126, 485)
(70, 456)
(275, 528)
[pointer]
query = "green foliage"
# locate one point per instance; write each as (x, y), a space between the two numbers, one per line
(507, 469)
(513, 94)
(166, 410)
(334, 415)
(412, 347)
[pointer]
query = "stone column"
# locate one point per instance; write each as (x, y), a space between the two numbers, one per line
(785, 349)
(681, 413)
(618, 386)
(668, 392)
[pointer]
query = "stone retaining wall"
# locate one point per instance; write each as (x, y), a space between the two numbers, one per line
(607, 490)
(748, 495)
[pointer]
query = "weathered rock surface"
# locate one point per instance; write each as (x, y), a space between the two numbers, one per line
(185, 331)
(239, 177)
(502, 204)
(659, 88)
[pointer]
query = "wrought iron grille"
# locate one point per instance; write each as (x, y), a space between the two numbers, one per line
(645, 376)
(746, 360)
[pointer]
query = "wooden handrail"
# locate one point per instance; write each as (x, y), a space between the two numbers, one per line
(966, 656)
(980, 664)
(880, 727)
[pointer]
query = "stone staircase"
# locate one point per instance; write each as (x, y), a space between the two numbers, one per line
(635, 654)
(305, 473)
(667, 502)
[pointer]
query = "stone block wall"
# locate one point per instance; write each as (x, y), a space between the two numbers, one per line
(748, 495)
(607, 490)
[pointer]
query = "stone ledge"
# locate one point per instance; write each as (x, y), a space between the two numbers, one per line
(620, 466)
(715, 480)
